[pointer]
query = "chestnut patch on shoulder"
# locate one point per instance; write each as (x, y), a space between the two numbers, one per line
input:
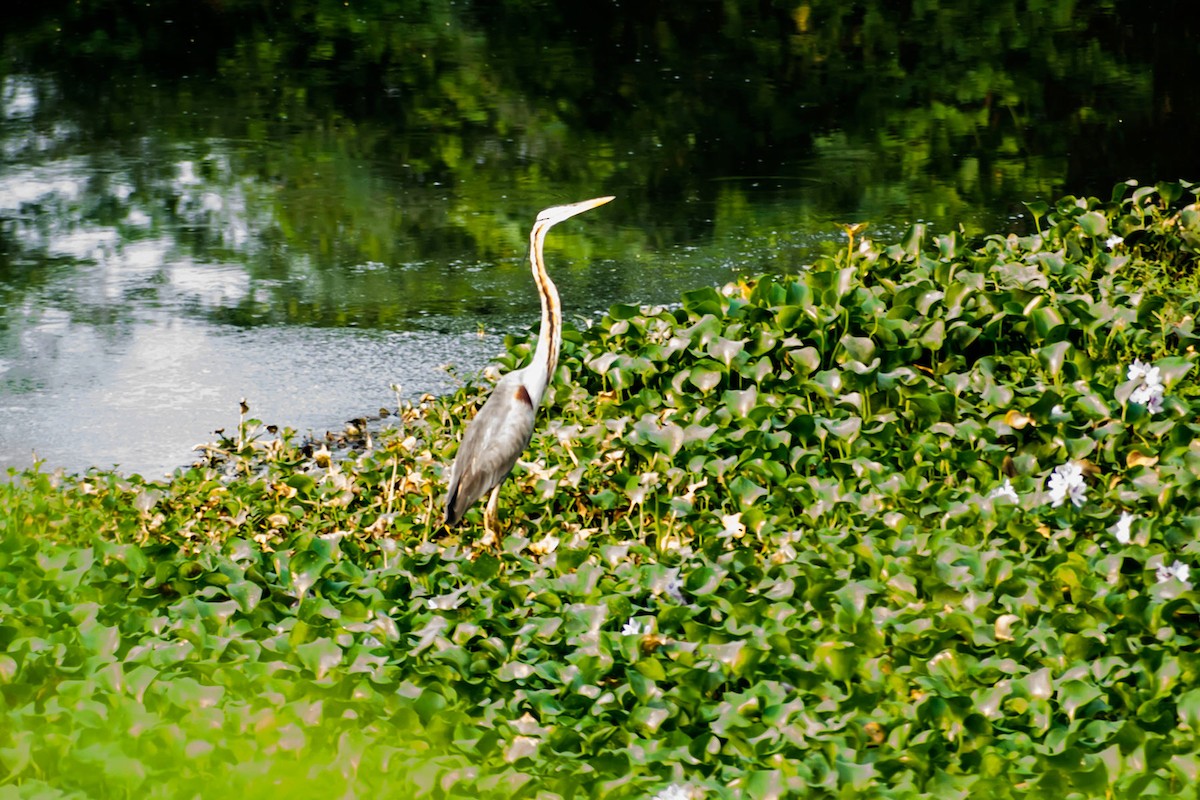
(522, 395)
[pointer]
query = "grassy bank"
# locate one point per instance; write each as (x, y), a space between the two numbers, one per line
(916, 522)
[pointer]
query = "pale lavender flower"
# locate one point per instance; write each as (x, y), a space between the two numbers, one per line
(674, 587)
(1112, 242)
(1066, 482)
(1149, 396)
(1179, 571)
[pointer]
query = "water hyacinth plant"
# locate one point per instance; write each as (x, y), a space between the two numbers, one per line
(1149, 389)
(1066, 483)
(778, 540)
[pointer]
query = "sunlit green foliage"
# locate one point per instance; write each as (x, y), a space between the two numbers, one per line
(764, 546)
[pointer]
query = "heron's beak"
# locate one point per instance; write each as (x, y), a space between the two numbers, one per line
(588, 205)
(558, 213)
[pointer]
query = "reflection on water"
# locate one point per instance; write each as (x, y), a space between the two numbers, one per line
(143, 402)
(109, 352)
(146, 299)
(305, 204)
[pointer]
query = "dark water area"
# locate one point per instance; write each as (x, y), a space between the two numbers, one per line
(306, 203)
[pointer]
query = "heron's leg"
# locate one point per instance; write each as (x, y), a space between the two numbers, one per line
(491, 520)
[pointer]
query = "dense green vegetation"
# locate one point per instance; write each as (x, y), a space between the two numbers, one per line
(913, 522)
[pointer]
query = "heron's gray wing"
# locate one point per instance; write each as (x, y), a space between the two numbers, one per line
(494, 440)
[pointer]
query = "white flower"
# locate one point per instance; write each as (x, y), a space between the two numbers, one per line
(1149, 391)
(632, 628)
(1121, 531)
(673, 792)
(1139, 370)
(1179, 571)
(1155, 403)
(1150, 396)
(1112, 242)
(1067, 482)
(733, 525)
(1005, 491)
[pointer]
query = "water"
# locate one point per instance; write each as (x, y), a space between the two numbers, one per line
(304, 204)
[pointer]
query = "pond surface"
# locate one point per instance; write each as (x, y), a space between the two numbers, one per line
(306, 203)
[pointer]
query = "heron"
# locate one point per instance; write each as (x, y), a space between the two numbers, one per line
(501, 430)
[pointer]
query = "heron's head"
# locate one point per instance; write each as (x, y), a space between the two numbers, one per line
(556, 214)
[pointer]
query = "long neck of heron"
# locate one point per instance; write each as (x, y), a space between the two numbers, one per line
(545, 357)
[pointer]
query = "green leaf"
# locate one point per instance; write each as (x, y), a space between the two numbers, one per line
(1053, 356)
(740, 402)
(8, 669)
(246, 594)
(302, 483)
(835, 659)
(859, 348)
(188, 693)
(725, 350)
(1075, 694)
(514, 671)
(789, 318)
(1093, 223)
(1047, 321)
(1037, 208)
(705, 379)
(807, 359)
(624, 311)
(319, 656)
(746, 491)
(934, 336)
(703, 301)
(1169, 191)
(704, 581)
(648, 720)
(1188, 708)
(1174, 369)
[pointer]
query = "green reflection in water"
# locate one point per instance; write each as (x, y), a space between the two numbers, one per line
(377, 164)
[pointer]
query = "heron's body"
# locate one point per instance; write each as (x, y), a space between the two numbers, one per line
(501, 430)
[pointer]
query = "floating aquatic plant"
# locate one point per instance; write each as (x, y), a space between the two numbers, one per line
(781, 539)
(1066, 483)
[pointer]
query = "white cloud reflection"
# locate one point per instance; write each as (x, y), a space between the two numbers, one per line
(18, 96)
